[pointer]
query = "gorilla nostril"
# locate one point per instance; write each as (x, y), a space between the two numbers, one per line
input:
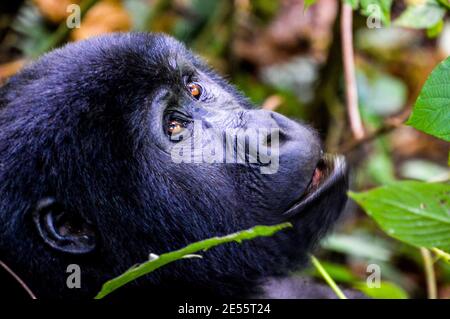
(282, 135)
(268, 141)
(285, 126)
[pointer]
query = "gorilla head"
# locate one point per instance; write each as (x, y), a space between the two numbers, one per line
(95, 171)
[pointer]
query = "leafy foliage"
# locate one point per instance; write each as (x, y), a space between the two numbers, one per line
(384, 7)
(186, 252)
(431, 112)
(415, 212)
(387, 290)
(421, 16)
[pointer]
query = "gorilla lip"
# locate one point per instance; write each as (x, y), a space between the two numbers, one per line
(330, 170)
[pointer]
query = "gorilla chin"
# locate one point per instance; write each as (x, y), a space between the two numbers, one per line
(88, 178)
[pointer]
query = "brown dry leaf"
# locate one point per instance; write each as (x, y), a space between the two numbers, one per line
(54, 10)
(104, 17)
(10, 68)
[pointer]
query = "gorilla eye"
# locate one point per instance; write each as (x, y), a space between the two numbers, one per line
(195, 89)
(175, 127)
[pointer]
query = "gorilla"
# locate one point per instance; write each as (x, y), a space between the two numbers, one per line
(88, 176)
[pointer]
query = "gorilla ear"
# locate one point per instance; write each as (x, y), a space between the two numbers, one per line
(62, 230)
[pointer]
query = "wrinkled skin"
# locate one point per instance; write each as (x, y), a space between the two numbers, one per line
(87, 176)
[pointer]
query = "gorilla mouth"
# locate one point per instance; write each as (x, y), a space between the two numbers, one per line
(331, 171)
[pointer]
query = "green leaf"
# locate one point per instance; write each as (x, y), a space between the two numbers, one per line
(387, 290)
(164, 259)
(434, 31)
(444, 3)
(421, 16)
(431, 113)
(382, 7)
(414, 212)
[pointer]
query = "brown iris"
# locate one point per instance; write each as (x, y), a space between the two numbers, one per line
(174, 127)
(195, 89)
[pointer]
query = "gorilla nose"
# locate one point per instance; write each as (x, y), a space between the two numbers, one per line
(289, 130)
(268, 121)
(299, 147)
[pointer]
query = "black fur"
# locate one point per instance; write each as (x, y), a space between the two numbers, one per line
(83, 125)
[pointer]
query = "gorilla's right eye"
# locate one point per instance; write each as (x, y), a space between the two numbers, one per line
(176, 124)
(175, 127)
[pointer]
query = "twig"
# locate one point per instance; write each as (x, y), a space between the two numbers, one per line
(327, 278)
(18, 279)
(351, 90)
(429, 273)
(441, 254)
(388, 126)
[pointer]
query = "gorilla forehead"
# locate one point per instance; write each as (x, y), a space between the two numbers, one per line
(124, 60)
(122, 54)
(111, 71)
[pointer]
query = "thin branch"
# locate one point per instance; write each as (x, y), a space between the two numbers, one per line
(388, 126)
(429, 273)
(351, 90)
(442, 254)
(327, 278)
(18, 279)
